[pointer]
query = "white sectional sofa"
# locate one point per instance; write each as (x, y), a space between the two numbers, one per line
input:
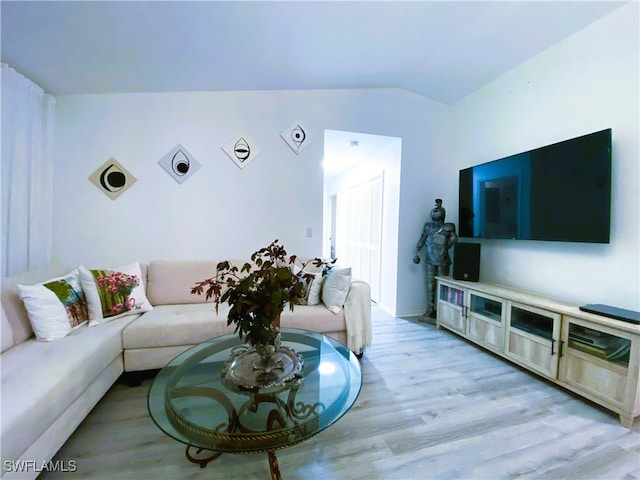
(48, 388)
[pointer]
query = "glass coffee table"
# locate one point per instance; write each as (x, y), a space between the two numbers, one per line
(190, 401)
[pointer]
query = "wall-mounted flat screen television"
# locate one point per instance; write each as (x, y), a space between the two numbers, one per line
(561, 192)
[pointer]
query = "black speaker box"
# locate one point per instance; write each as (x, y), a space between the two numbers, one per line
(466, 261)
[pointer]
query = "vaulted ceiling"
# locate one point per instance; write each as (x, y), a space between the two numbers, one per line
(443, 50)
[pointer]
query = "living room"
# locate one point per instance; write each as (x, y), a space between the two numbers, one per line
(585, 82)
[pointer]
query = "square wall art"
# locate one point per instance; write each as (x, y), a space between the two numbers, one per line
(112, 178)
(179, 163)
(297, 137)
(242, 150)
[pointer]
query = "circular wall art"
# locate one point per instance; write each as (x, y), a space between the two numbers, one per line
(112, 178)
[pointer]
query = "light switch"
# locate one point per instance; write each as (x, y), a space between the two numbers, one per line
(309, 232)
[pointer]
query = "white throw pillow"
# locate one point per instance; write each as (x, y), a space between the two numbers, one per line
(56, 306)
(335, 287)
(312, 287)
(114, 292)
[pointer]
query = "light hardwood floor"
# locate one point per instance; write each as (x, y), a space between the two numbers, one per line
(431, 406)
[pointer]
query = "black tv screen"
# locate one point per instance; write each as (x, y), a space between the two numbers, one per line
(561, 192)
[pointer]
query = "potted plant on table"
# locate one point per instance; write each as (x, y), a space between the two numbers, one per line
(258, 293)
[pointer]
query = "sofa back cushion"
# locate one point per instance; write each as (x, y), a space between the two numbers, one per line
(170, 282)
(16, 327)
(6, 335)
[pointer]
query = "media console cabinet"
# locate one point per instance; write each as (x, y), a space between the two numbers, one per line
(594, 356)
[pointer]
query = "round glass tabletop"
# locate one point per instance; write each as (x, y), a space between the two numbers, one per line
(190, 400)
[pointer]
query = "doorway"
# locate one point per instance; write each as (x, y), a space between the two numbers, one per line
(361, 207)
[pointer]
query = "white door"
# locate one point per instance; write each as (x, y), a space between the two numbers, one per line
(359, 212)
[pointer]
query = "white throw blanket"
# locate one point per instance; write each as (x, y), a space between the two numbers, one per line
(357, 316)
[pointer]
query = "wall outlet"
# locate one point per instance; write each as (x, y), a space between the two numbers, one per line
(309, 232)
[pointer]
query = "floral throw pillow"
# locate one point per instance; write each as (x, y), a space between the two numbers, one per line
(56, 306)
(114, 292)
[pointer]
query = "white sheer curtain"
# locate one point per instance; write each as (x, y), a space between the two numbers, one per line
(27, 173)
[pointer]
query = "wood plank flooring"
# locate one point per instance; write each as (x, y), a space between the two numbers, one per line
(431, 406)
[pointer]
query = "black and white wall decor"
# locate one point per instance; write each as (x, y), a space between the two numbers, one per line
(242, 150)
(112, 178)
(179, 163)
(297, 137)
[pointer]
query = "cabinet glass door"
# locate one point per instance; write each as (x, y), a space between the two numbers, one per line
(485, 320)
(486, 307)
(600, 344)
(533, 338)
(597, 361)
(450, 310)
(452, 295)
(531, 322)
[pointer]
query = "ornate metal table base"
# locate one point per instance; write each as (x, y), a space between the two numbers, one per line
(291, 410)
(274, 468)
(216, 405)
(201, 461)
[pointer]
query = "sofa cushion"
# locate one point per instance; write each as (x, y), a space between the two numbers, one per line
(41, 379)
(55, 306)
(6, 337)
(173, 325)
(313, 317)
(170, 282)
(190, 324)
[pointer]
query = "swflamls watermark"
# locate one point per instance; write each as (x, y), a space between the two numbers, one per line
(22, 466)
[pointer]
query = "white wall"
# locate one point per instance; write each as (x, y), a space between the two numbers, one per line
(425, 175)
(221, 211)
(586, 83)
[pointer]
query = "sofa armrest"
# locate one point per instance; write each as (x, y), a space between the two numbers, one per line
(357, 316)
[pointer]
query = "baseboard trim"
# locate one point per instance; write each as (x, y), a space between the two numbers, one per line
(411, 314)
(387, 309)
(391, 311)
